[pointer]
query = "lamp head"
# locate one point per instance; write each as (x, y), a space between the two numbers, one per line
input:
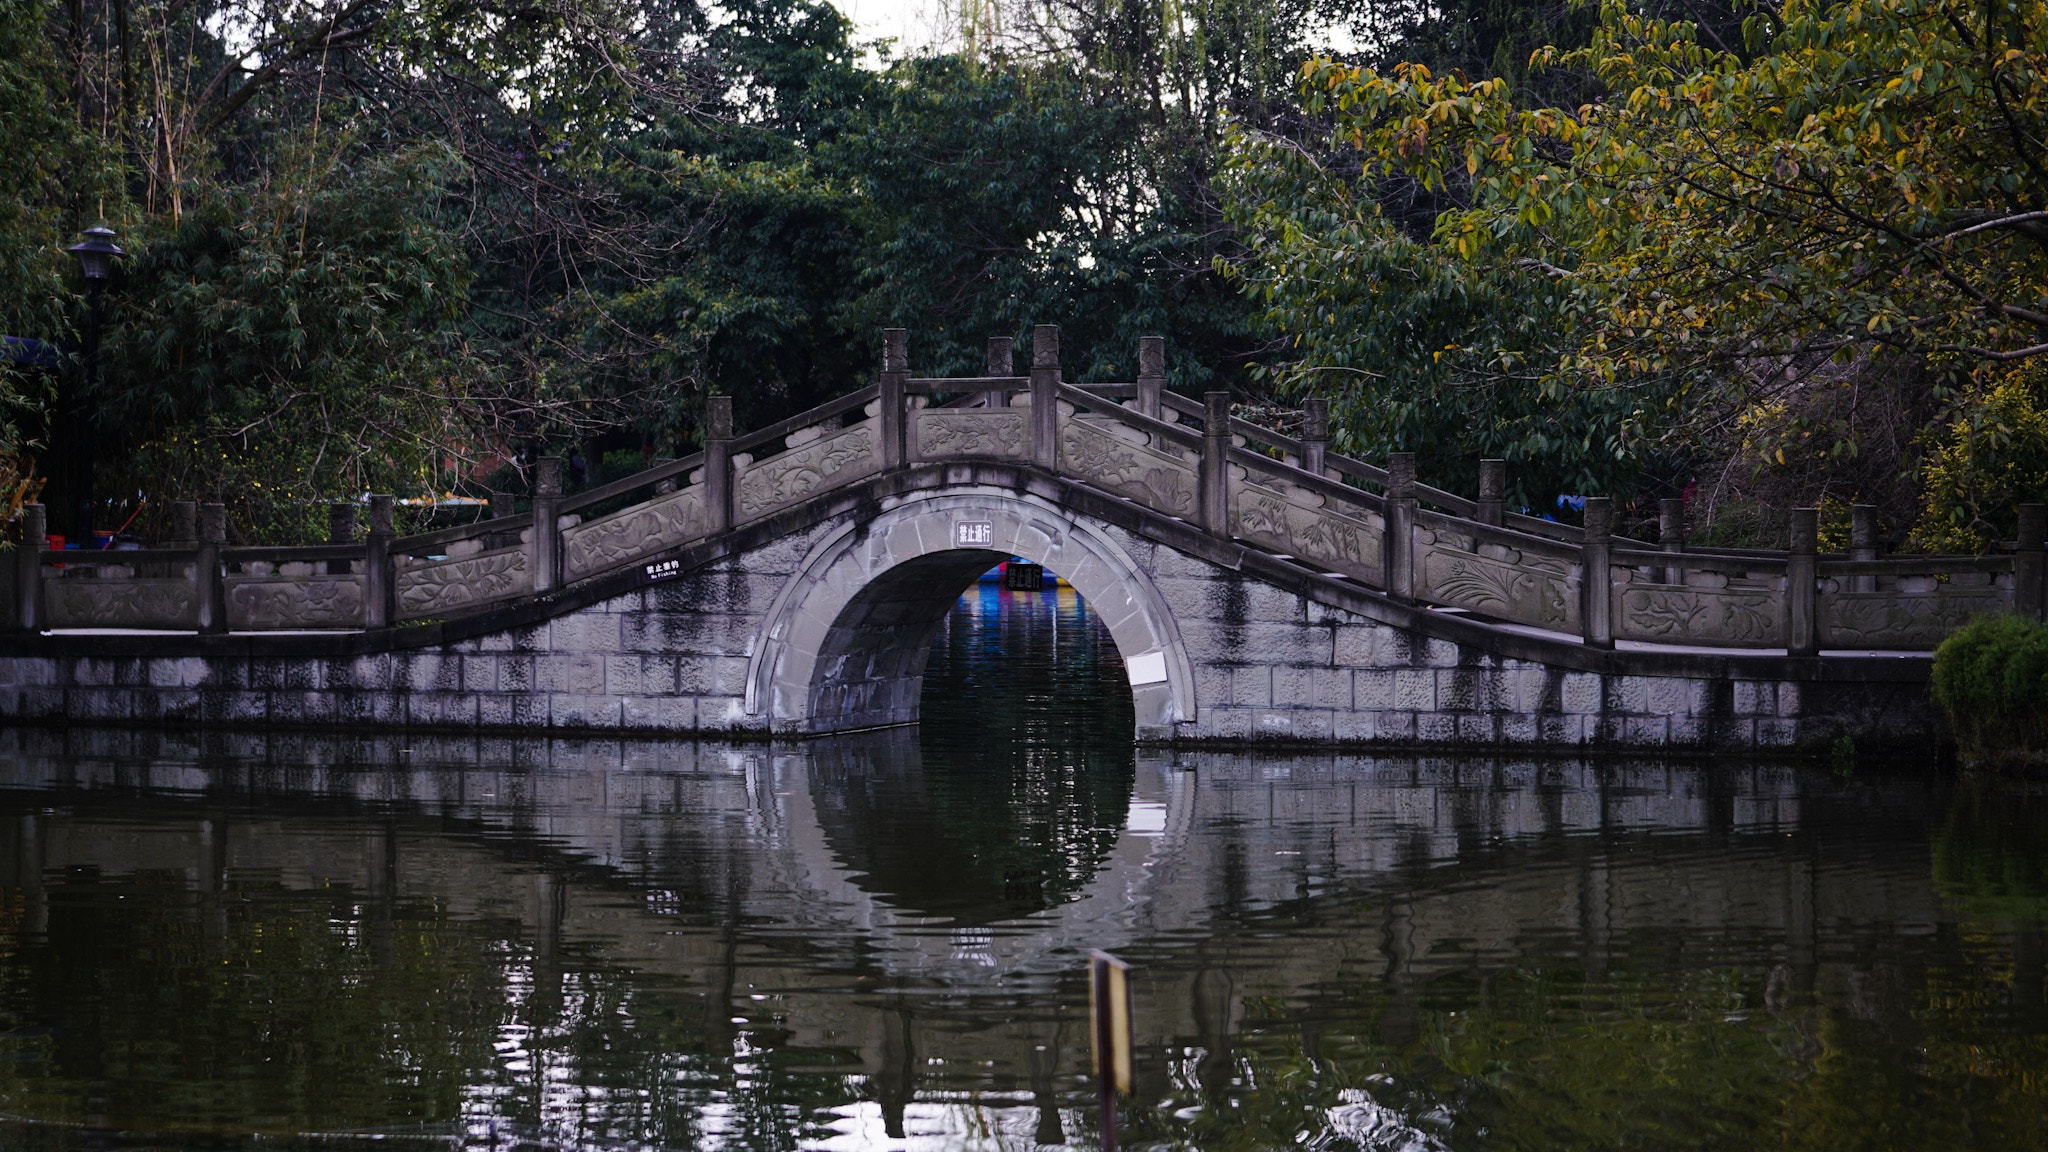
(96, 253)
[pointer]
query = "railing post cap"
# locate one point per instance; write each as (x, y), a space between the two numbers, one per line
(718, 417)
(383, 508)
(1045, 346)
(547, 476)
(1805, 529)
(1151, 356)
(2033, 527)
(1599, 518)
(1002, 356)
(1216, 412)
(895, 349)
(213, 523)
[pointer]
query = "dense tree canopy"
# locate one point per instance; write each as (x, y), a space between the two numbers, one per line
(1687, 258)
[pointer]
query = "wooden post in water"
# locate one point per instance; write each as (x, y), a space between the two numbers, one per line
(1151, 374)
(206, 581)
(28, 567)
(1215, 478)
(1671, 535)
(1863, 543)
(1596, 585)
(1045, 388)
(1493, 487)
(895, 375)
(2027, 563)
(547, 495)
(1315, 435)
(718, 462)
(379, 587)
(1109, 1017)
(1802, 570)
(1400, 540)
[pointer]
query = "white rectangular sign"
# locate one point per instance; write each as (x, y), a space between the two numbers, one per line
(973, 534)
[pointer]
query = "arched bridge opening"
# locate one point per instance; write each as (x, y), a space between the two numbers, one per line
(847, 642)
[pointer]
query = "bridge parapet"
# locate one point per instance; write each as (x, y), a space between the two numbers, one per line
(1373, 526)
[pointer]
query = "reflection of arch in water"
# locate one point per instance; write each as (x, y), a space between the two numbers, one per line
(1111, 889)
(976, 839)
(845, 642)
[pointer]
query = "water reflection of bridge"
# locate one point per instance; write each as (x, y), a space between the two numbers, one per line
(713, 865)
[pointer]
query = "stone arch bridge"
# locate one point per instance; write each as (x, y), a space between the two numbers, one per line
(789, 580)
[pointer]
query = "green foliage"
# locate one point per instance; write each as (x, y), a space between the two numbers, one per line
(40, 145)
(1989, 459)
(286, 343)
(1991, 680)
(1859, 179)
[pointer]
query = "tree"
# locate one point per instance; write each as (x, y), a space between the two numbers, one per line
(1725, 227)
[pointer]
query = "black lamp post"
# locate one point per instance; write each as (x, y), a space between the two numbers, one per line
(96, 260)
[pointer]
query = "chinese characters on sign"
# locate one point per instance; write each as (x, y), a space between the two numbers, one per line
(664, 569)
(973, 534)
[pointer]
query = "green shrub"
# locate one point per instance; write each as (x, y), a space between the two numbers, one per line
(1991, 679)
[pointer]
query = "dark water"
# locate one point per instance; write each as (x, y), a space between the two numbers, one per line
(300, 943)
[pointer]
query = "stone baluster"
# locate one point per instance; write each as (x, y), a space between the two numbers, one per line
(1493, 489)
(1863, 543)
(1596, 582)
(1802, 570)
(1399, 552)
(895, 375)
(1151, 374)
(504, 506)
(207, 591)
(1315, 435)
(184, 524)
(545, 541)
(379, 586)
(1215, 479)
(2027, 563)
(1045, 390)
(718, 462)
(28, 567)
(1002, 361)
(1671, 535)
(341, 529)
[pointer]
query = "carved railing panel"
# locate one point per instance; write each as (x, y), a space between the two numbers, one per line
(259, 603)
(1919, 616)
(832, 459)
(634, 533)
(949, 432)
(1095, 452)
(132, 603)
(1522, 585)
(1293, 520)
(448, 585)
(1732, 615)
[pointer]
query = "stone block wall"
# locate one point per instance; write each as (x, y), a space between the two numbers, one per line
(1268, 665)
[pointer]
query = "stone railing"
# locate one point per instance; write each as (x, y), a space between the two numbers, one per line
(1375, 525)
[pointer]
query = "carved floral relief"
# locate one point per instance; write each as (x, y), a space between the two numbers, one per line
(974, 432)
(453, 584)
(1893, 620)
(634, 533)
(1686, 615)
(1152, 478)
(1529, 592)
(1338, 542)
(316, 602)
(830, 460)
(74, 603)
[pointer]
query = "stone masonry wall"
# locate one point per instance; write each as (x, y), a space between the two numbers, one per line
(1268, 665)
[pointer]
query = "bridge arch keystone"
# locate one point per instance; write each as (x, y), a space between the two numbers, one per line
(844, 643)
